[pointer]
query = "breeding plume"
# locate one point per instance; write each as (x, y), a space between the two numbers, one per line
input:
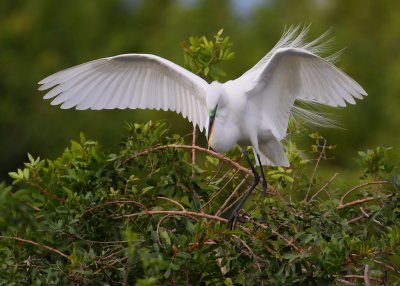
(252, 110)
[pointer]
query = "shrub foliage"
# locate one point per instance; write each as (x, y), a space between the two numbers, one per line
(145, 215)
(138, 217)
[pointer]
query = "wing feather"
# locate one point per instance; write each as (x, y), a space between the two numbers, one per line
(129, 80)
(295, 73)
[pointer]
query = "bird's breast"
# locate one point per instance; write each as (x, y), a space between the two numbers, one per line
(226, 135)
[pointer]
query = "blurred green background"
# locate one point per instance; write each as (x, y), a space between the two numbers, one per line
(40, 37)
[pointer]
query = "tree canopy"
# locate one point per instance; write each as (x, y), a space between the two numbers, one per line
(41, 37)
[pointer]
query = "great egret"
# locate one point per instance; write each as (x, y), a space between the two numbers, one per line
(252, 110)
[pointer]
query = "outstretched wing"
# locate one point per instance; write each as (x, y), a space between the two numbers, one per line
(295, 73)
(130, 81)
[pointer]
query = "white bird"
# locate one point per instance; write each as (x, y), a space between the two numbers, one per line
(252, 110)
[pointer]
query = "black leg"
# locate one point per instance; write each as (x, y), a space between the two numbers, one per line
(235, 212)
(264, 182)
(263, 190)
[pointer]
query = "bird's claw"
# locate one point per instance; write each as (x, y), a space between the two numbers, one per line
(232, 220)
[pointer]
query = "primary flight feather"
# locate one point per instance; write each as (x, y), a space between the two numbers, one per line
(252, 110)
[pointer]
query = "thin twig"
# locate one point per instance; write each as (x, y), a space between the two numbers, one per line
(111, 264)
(112, 254)
(364, 212)
(205, 150)
(323, 187)
(179, 213)
(346, 282)
(232, 204)
(189, 214)
(264, 226)
(387, 266)
(249, 249)
(353, 220)
(361, 186)
(221, 209)
(113, 203)
(158, 228)
(356, 202)
(321, 155)
(216, 173)
(173, 201)
(36, 244)
(362, 277)
(194, 143)
(366, 276)
(219, 192)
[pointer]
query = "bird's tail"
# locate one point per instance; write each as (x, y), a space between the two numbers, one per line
(312, 114)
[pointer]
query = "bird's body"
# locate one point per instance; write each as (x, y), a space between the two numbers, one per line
(252, 110)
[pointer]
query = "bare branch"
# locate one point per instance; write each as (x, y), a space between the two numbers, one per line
(194, 143)
(366, 276)
(219, 192)
(387, 266)
(221, 209)
(346, 282)
(274, 232)
(362, 277)
(158, 228)
(113, 203)
(361, 186)
(178, 213)
(173, 201)
(51, 249)
(111, 264)
(205, 150)
(356, 202)
(323, 187)
(249, 249)
(216, 173)
(321, 156)
(353, 220)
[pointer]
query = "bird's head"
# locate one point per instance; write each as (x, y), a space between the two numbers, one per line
(213, 96)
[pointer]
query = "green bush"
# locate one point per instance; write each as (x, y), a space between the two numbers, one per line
(137, 216)
(145, 215)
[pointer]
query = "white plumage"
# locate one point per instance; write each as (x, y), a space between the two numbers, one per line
(252, 110)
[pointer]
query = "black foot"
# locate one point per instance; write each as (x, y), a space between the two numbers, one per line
(232, 220)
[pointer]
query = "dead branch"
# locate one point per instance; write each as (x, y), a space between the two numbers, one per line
(320, 157)
(249, 250)
(387, 266)
(113, 203)
(178, 213)
(366, 276)
(204, 150)
(207, 216)
(353, 220)
(111, 264)
(323, 187)
(219, 192)
(158, 228)
(173, 201)
(51, 249)
(194, 143)
(221, 209)
(361, 186)
(274, 232)
(356, 202)
(362, 277)
(346, 282)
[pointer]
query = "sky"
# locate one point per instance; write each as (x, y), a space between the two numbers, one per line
(241, 7)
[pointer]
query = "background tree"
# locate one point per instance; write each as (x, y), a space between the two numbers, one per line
(39, 38)
(137, 215)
